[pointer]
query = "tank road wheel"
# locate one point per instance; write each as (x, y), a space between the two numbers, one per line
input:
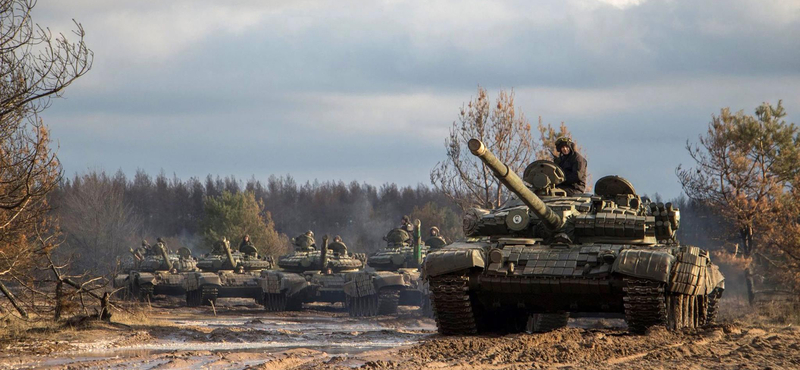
(208, 295)
(363, 306)
(645, 304)
(388, 299)
(452, 305)
(544, 322)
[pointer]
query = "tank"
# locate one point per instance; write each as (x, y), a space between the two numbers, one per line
(225, 274)
(309, 274)
(156, 272)
(543, 256)
(394, 279)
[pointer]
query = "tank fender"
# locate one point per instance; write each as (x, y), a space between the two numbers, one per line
(146, 278)
(383, 280)
(359, 284)
(459, 256)
(644, 264)
(715, 280)
(278, 282)
(120, 280)
(208, 278)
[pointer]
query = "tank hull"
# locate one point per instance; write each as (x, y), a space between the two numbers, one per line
(205, 287)
(287, 291)
(370, 293)
(490, 280)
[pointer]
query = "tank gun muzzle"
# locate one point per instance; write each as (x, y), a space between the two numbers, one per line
(513, 183)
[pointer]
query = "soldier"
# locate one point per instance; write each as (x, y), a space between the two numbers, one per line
(246, 246)
(338, 247)
(405, 225)
(574, 166)
(305, 242)
(435, 240)
(161, 244)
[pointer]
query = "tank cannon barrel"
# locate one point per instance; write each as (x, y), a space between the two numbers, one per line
(323, 254)
(163, 249)
(511, 181)
(227, 246)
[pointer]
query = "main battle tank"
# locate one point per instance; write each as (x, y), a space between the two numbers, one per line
(395, 278)
(225, 274)
(544, 255)
(309, 274)
(156, 272)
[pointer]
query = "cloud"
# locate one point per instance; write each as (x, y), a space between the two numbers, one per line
(352, 89)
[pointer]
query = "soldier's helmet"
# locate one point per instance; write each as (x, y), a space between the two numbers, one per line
(144, 243)
(406, 220)
(310, 233)
(434, 231)
(159, 240)
(337, 239)
(562, 141)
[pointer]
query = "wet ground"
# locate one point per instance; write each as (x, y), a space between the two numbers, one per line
(238, 336)
(241, 335)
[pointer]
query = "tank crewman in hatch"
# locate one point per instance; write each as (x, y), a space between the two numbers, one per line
(574, 166)
(305, 242)
(406, 225)
(338, 247)
(246, 246)
(435, 240)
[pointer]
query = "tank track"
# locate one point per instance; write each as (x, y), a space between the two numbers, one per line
(544, 322)
(388, 299)
(452, 305)
(645, 304)
(193, 298)
(146, 293)
(277, 302)
(712, 301)
(362, 306)
(209, 295)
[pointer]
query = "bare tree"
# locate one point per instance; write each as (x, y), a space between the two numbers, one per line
(35, 67)
(504, 130)
(97, 223)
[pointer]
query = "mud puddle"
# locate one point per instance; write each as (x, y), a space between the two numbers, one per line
(237, 338)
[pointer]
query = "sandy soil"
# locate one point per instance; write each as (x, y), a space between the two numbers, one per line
(243, 336)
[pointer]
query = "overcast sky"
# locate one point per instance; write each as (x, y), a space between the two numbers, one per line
(367, 90)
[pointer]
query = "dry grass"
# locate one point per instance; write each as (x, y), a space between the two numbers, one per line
(777, 313)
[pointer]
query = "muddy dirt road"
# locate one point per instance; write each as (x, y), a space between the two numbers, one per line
(243, 336)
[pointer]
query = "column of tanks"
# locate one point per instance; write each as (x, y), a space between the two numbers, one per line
(309, 273)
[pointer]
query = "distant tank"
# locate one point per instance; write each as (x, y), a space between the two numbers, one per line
(225, 274)
(543, 255)
(309, 274)
(155, 272)
(395, 278)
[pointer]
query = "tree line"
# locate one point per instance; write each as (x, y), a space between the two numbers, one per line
(103, 216)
